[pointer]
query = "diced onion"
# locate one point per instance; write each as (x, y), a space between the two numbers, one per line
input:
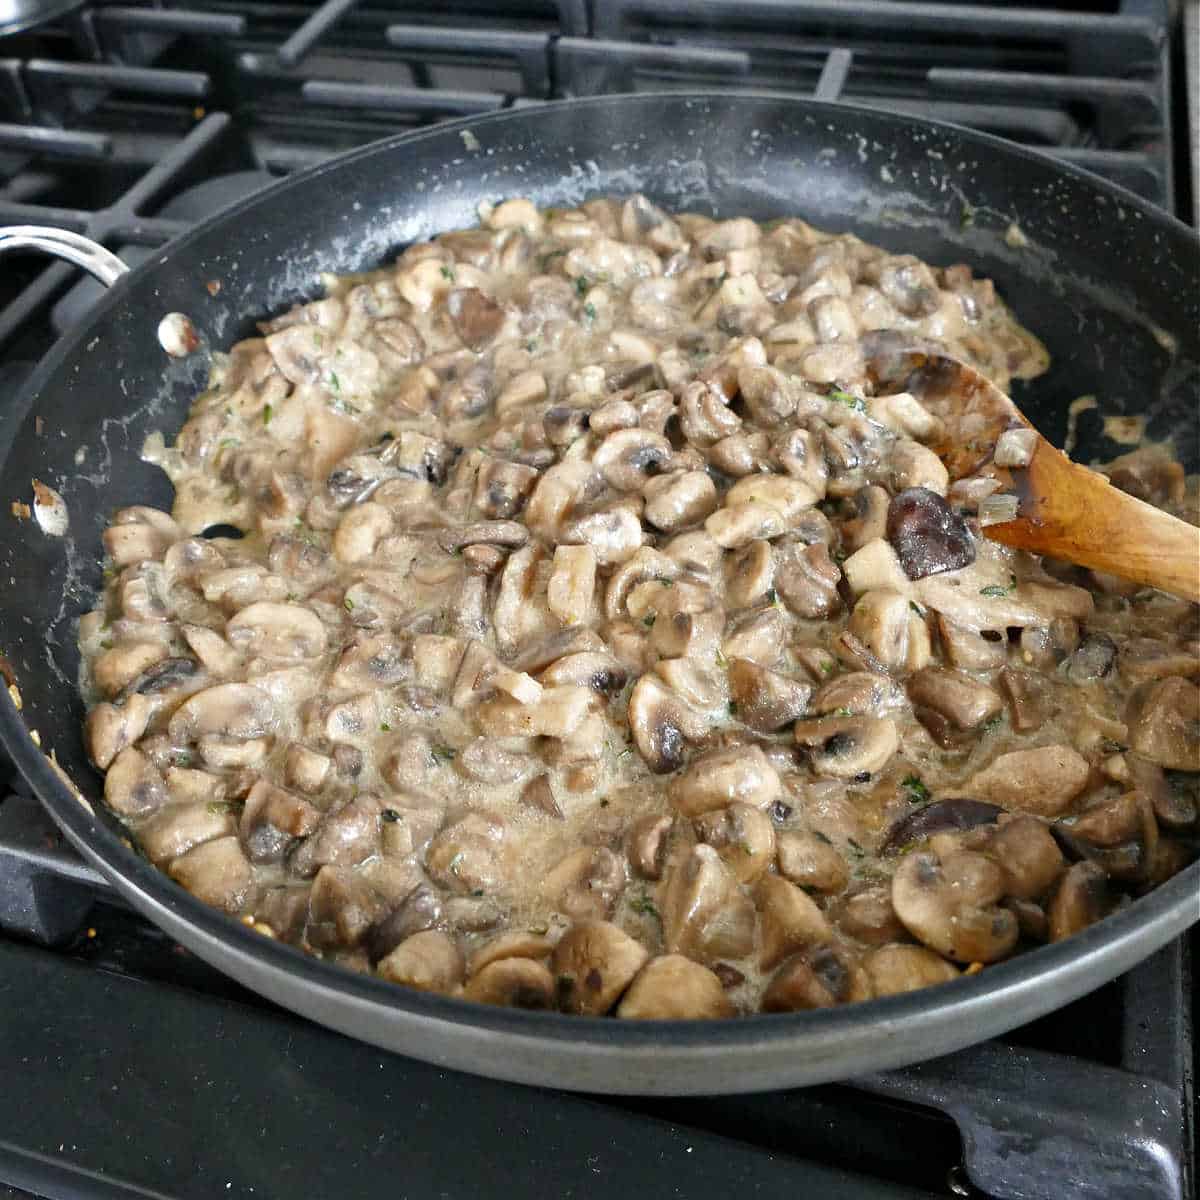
(1014, 448)
(996, 510)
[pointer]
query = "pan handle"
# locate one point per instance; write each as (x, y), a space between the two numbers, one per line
(61, 243)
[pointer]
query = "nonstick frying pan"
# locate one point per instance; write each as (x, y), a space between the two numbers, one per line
(1109, 282)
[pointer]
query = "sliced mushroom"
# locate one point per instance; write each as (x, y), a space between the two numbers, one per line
(648, 845)
(216, 872)
(818, 978)
(811, 863)
(512, 983)
(133, 785)
(558, 713)
(845, 747)
(672, 988)
(868, 916)
(230, 710)
(174, 829)
(488, 762)
(421, 909)
(539, 794)
(1028, 855)
(898, 969)
(1043, 781)
(950, 905)
(1164, 724)
(740, 775)
(347, 835)
(757, 635)
(743, 836)
(277, 631)
(586, 884)
(571, 590)
(272, 819)
(963, 701)
(477, 319)
(858, 693)
(928, 535)
(942, 816)
(705, 914)
(789, 920)
(807, 580)
(766, 700)
(677, 501)
(493, 533)
(598, 671)
(111, 728)
(1028, 699)
(880, 621)
(661, 724)
(1173, 808)
(594, 963)
(627, 458)
(468, 855)
(1082, 899)
(429, 961)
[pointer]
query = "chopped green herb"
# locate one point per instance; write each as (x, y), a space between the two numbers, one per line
(733, 708)
(589, 311)
(667, 583)
(649, 619)
(847, 398)
(842, 712)
(839, 555)
(291, 596)
(1111, 747)
(582, 284)
(967, 219)
(996, 591)
(547, 259)
(917, 609)
(772, 595)
(746, 848)
(385, 728)
(443, 753)
(855, 849)
(448, 273)
(348, 604)
(477, 892)
(334, 382)
(227, 443)
(219, 808)
(828, 667)
(268, 413)
(918, 793)
(994, 723)
(531, 345)
(644, 905)
(722, 661)
(390, 815)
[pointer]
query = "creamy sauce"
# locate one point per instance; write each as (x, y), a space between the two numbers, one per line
(562, 583)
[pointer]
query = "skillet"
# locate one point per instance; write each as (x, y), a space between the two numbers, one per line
(1111, 284)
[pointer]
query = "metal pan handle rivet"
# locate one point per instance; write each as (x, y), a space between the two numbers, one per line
(99, 262)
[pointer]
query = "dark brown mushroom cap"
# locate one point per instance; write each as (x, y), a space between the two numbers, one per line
(929, 537)
(942, 816)
(476, 318)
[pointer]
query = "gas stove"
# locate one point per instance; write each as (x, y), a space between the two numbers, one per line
(133, 1070)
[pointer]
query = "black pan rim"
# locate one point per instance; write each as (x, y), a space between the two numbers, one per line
(1043, 967)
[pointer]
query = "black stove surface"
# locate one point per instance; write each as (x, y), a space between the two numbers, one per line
(131, 1069)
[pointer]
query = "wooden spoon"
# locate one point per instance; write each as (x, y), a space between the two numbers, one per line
(1064, 510)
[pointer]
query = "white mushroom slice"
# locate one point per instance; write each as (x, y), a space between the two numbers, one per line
(133, 786)
(113, 670)
(175, 829)
(469, 854)
(230, 710)
(876, 566)
(586, 884)
(914, 465)
(217, 656)
(109, 728)
(437, 661)
(737, 525)
(749, 574)
(128, 544)
(1165, 724)
(557, 714)
(219, 753)
(903, 413)
(355, 719)
(645, 565)
(594, 962)
(513, 597)
(758, 636)
(216, 872)
(897, 969)
(487, 761)
(614, 533)
(741, 775)
(518, 943)
(596, 670)
(766, 700)
(954, 695)
(705, 914)
(571, 590)
(810, 863)
(661, 722)
(512, 983)
(560, 488)
(880, 621)
(817, 978)
(526, 387)
(1043, 781)
(700, 685)
(673, 988)
(371, 662)
(305, 769)
(514, 214)
(743, 836)
(859, 693)
(788, 496)
(789, 921)
(799, 452)
(627, 458)
(277, 631)
(843, 747)
(359, 532)
(429, 961)
(673, 502)
(951, 905)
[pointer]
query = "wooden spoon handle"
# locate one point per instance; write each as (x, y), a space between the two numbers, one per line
(1074, 514)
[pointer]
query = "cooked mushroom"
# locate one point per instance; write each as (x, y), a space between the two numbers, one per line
(869, 916)
(743, 836)
(595, 962)
(749, 574)
(845, 747)
(738, 775)
(111, 728)
(230, 710)
(1042, 781)
(673, 988)
(477, 318)
(858, 693)
(1028, 855)
(810, 862)
(487, 761)
(648, 845)
(347, 835)
(757, 635)
(1164, 724)
(789, 920)
(429, 961)
(816, 979)
(1172, 806)
(513, 983)
(216, 872)
(271, 821)
(1092, 659)
(897, 969)
(807, 580)
(421, 909)
(766, 700)
(467, 856)
(174, 829)
(705, 914)
(929, 536)
(586, 884)
(963, 701)
(133, 786)
(1028, 699)
(880, 621)
(1081, 900)
(277, 631)
(950, 905)
(941, 816)
(661, 723)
